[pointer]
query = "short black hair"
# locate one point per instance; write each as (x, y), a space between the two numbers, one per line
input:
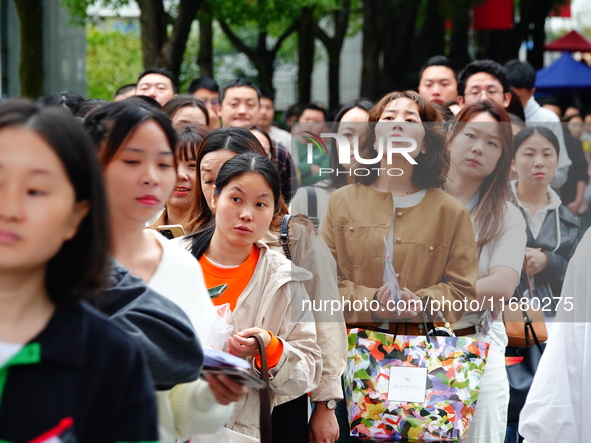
(239, 83)
(490, 67)
(294, 110)
(125, 89)
(314, 107)
(162, 71)
(82, 262)
(520, 74)
(204, 83)
(267, 93)
(439, 60)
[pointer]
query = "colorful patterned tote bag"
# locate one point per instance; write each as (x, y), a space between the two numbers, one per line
(412, 388)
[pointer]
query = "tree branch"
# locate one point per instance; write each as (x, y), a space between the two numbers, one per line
(342, 20)
(175, 46)
(341, 24)
(282, 37)
(240, 45)
(322, 36)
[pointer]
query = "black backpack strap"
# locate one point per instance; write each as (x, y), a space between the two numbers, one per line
(284, 235)
(312, 204)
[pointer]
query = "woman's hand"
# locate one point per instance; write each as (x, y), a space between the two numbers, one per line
(243, 347)
(535, 261)
(404, 308)
(224, 389)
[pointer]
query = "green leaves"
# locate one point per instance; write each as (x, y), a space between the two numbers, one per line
(78, 9)
(113, 59)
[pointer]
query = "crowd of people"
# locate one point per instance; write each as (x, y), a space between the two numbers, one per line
(104, 321)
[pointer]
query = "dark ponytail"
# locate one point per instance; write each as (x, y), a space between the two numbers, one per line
(201, 239)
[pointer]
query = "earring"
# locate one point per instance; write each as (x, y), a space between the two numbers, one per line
(423, 151)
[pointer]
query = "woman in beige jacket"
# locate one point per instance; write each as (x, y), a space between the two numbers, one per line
(399, 202)
(431, 234)
(265, 290)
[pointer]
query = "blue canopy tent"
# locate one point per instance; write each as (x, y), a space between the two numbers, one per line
(564, 75)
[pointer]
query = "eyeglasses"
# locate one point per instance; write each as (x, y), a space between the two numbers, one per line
(207, 101)
(488, 92)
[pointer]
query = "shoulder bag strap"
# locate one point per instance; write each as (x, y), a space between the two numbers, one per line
(528, 322)
(265, 400)
(284, 235)
(312, 204)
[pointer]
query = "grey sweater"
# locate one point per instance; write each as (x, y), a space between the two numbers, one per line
(163, 331)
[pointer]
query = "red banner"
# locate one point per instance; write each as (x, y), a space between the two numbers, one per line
(493, 15)
(563, 11)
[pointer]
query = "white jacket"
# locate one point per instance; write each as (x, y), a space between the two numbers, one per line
(272, 301)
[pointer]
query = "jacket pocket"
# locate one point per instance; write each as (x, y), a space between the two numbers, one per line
(352, 246)
(428, 264)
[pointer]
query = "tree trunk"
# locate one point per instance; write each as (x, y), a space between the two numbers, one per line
(334, 72)
(175, 46)
(305, 55)
(458, 48)
(536, 56)
(431, 38)
(153, 20)
(264, 61)
(399, 20)
(205, 57)
(372, 45)
(261, 57)
(334, 46)
(31, 71)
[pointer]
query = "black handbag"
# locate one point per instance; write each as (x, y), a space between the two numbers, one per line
(521, 374)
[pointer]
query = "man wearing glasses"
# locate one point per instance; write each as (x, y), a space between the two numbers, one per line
(207, 90)
(483, 79)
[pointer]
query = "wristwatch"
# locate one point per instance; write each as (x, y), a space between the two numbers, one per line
(331, 404)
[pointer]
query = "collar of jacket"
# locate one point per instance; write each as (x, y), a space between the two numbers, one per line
(63, 339)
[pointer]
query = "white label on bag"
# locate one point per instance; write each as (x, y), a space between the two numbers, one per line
(407, 384)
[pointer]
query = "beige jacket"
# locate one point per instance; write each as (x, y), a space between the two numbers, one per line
(269, 302)
(434, 249)
(310, 252)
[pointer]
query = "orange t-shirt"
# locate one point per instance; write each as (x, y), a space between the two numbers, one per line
(237, 278)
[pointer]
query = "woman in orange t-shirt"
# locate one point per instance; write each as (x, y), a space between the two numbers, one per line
(265, 290)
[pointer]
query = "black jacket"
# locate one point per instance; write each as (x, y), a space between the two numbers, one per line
(81, 378)
(548, 283)
(159, 326)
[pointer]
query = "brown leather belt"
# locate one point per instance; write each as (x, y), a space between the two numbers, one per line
(413, 329)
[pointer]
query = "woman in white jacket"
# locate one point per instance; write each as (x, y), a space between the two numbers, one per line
(265, 290)
(136, 148)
